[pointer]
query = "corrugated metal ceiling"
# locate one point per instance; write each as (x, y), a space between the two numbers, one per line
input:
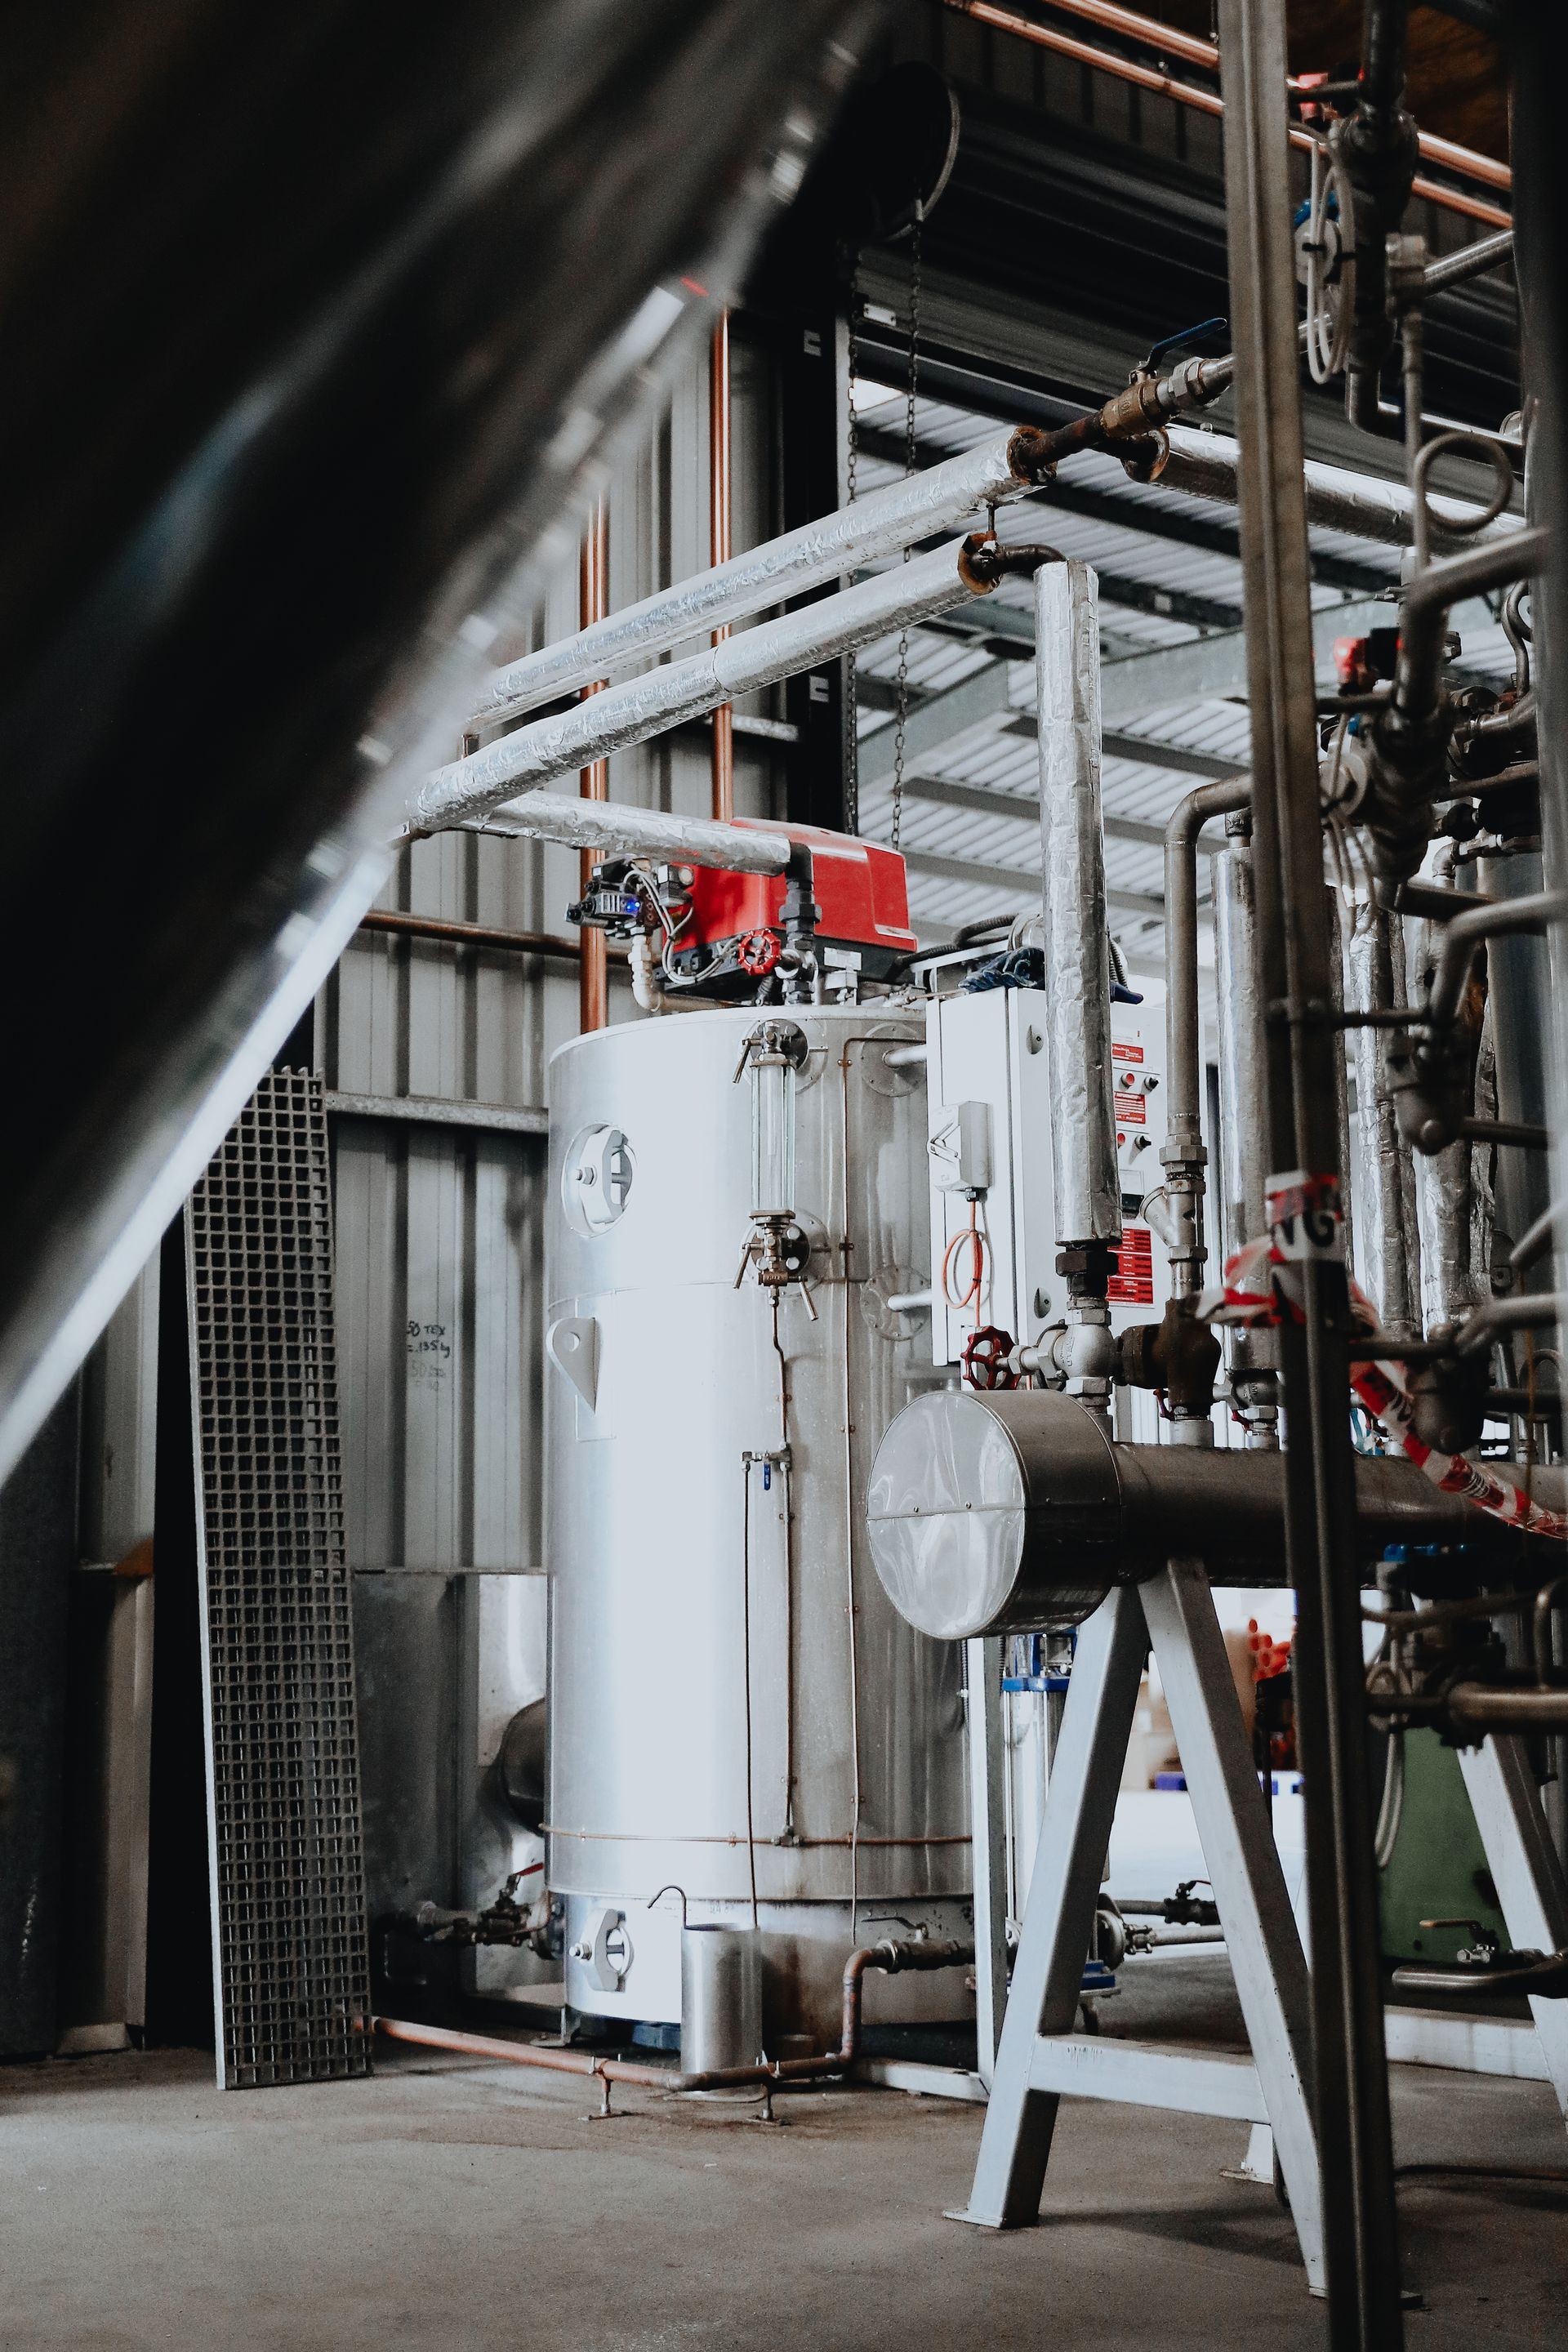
(989, 751)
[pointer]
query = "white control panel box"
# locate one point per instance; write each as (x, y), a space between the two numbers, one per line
(990, 1111)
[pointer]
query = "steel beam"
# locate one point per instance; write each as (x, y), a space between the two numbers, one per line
(983, 800)
(1355, 2140)
(1023, 881)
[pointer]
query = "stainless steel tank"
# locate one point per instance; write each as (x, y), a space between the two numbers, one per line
(705, 1526)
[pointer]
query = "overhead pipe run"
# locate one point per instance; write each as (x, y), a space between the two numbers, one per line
(469, 789)
(884, 523)
(1167, 42)
(739, 848)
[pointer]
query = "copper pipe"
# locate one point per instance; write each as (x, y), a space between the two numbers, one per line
(723, 745)
(1159, 36)
(594, 782)
(892, 1957)
(470, 935)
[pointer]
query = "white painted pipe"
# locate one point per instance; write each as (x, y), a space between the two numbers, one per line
(469, 789)
(884, 523)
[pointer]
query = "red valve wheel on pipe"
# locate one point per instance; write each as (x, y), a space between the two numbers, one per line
(758, 953)
(987, 1354)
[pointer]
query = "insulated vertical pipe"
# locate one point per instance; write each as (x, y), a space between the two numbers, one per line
(723, 746)
(1253, 1355)
(594, 781)
(1360, 2230)
(1386, 1249)
(1076, 935)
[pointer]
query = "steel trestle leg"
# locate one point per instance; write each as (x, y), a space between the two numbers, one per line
(988, 1763)
(1533, 1891)
(1266, 1956)
(1058, 1917)
(1176, 1613)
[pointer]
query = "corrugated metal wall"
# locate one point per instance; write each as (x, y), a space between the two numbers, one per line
(439, 1233)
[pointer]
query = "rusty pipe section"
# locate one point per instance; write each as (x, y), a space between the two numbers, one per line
(469, 790)
(884, 523)
(891, 1957)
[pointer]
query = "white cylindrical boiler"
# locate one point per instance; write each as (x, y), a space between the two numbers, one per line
(735, 1705)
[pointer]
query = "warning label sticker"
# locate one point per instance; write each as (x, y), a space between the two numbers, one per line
(1123, 1051)
(1131, 1111)
(1132, 1284)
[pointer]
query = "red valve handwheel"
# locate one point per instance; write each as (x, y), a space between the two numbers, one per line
(985, 1354)
(758, 953)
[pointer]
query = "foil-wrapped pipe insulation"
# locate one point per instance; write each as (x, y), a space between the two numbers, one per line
(739, 848)
(467, 789)
(1386, 1249)
(1076, 936)
(1252, 1356)
(1204, 465)
(884, 523)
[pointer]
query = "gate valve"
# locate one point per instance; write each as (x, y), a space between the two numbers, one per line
(758, 953)
(988, 1359)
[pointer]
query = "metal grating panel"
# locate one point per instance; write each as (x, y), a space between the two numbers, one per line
(289, 1939)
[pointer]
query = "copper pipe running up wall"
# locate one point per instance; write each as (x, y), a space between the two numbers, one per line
(892, 1958)
(594, 782)
(1161, 37)
(723, 750)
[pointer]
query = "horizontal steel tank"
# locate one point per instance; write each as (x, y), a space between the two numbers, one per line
(738, 1712)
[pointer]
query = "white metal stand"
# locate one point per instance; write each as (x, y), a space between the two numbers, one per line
(988, 1763)
(1040, 2057)
(1533, 1893)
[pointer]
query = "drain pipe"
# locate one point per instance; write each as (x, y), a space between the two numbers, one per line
(1182, 1155)
(1077, 975)
(1252, 1353)
(893, 1957)
(1184, 1354)
(467, 789)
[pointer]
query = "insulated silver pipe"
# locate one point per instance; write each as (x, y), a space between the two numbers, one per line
(1204, 466)
(560, 745)
(1386, 1252)
(1076, 936)
(884, 523)
(650, 833)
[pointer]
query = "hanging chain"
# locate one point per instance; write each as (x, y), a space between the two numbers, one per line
(911, 451)
(851, 473)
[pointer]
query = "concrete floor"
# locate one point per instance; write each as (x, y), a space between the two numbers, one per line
(455, 2206)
